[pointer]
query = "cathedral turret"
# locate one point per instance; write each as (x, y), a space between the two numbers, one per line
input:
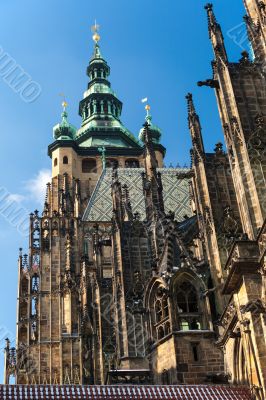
(64, 130)
(152, 179)
(195, 130)
(215, 33)
(155, 134)
(256, 27)
(256, 10)
(100, 102)
(75, 151)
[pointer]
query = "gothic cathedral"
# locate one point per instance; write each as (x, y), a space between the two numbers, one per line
(141, 274)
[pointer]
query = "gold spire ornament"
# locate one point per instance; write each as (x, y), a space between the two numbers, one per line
(64, 102)
(147, 106)
(64, 105)
(95, 29)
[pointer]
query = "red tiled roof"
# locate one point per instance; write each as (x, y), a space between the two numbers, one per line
(123, 392)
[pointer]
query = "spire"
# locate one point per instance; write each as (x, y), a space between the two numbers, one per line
(64, 130)
(128, 214)
(256, 27)
(100, 110)
(215, 34)
(150, 158)
(256, 10)
(98, 69)
(195, 130)
(95, 29)
(47, 200)
(154, 132)
(152, 182)
(99, 102)
(116, 190)
(96, 38)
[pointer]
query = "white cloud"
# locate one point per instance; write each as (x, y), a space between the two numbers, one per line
(18, 198)
(36, 186)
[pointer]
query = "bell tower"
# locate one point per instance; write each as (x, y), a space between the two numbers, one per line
(59, 329)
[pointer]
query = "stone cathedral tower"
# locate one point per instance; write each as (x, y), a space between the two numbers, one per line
(143, 274)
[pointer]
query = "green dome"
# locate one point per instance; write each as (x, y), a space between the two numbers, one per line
(155, 132)
(64, 130)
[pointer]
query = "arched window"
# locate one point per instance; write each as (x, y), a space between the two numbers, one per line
(165, 306)
(167, 328)
(187, 299)
(98, 107)
(105, 107)
(65, 160)
(187, 306)
(55, 162)
(160, 332)
(161, 314)
(89, 165)
(132, 163)
(158, 311)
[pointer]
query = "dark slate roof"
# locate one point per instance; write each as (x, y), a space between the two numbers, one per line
(175, 192)
(122, 392)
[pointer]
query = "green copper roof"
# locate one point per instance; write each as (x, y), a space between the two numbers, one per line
(98, 141)
(100, 110)
(155, 131)
(176, 193)
(64, 130)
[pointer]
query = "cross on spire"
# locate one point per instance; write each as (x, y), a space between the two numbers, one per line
(64, 102)
(95, 29)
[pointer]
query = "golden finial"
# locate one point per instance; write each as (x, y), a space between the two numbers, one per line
(147, 106)
(64, 105)
(64, 102)
(95, 29)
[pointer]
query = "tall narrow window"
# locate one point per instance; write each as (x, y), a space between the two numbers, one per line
(55, 162)
(105, 108)
(187, 307)
(161, 314)
(195, 351)
(158, 311)
(187, 298)
(65, 160)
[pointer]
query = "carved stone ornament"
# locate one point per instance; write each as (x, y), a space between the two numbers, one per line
(257, 306)
(236, 132)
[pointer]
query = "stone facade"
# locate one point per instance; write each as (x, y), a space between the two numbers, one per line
(174, 294)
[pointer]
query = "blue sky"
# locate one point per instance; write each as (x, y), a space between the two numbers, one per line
(155, 48)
